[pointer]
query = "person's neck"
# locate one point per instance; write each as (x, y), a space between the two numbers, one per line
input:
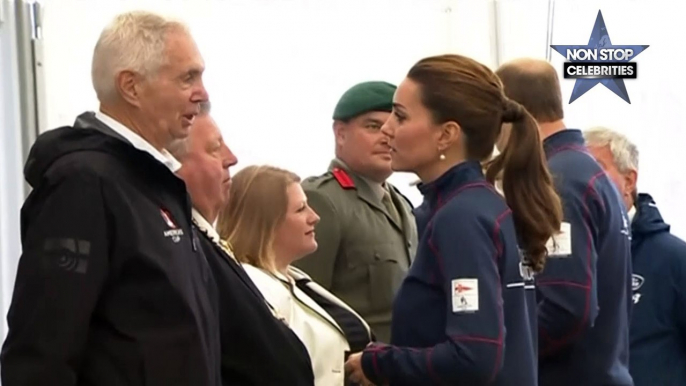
(435, 171)
(133, 123)
(549, 128)
(209, 214)
(630, 204)
(281, 266)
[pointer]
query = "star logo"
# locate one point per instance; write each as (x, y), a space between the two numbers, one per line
(610, 55)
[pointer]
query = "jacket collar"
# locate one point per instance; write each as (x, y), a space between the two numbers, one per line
(366, 191)
(460, 175)
(208, 230)
(299, 276)
(568, 138)
(647, 219)
(110, 126)
(205, 226)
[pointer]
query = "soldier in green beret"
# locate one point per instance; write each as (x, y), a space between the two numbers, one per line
(367, 234)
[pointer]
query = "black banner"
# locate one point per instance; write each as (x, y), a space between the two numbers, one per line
(600, 70)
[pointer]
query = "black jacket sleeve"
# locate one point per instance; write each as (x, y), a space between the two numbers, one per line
(472, 352)
(679, 278)
(568, 299)
(60, 275)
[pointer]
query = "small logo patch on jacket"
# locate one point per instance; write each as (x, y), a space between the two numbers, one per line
(175, 232)
(560, 245)
(465, 295)
(636, 283)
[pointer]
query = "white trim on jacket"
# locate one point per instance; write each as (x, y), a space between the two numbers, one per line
(298, 274)
(319, 332)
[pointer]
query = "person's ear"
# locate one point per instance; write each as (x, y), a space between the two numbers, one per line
(630, 180)
(340, 132)
(129, 86)
(449, 133)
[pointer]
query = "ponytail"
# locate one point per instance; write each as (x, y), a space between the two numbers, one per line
(527, 185)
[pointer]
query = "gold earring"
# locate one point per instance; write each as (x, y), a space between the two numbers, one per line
(442, 157)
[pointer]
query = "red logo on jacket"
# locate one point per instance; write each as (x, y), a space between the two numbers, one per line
(167, 219)
(460, 288)
(174, 232)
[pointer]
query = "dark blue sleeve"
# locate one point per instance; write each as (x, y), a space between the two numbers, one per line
(679, 272)
(467, 250)
(567, 297)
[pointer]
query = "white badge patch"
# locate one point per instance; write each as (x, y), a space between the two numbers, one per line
(560, 245)
(465, 295)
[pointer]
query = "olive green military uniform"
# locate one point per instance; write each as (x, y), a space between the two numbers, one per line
(367, 238)
(364, 253)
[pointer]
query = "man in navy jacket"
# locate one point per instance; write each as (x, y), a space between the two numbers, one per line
(658, 323)
(584, 292)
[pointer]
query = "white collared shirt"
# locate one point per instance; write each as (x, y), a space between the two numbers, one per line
(138, 142)
(211, 232)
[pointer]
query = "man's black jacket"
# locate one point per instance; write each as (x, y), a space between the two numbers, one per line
(112, 287)
(257, 348)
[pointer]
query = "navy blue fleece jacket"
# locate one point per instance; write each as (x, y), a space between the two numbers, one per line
(658, 323)
(584, 293)
(464, 315)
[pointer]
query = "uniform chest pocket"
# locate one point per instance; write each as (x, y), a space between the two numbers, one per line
(385, 271)
(372, 254)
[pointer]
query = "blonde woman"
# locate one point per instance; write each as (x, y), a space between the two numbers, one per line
(269, 225)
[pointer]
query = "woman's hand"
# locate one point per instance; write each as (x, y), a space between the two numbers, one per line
(353, 367)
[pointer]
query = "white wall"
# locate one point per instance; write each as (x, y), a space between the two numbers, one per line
(11, 178)
(275, 69)
(522, 29)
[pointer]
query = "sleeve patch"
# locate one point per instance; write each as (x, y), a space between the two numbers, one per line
(465, 294)
(560, 245)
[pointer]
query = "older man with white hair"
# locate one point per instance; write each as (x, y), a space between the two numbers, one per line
(112, 287)
(658, 323)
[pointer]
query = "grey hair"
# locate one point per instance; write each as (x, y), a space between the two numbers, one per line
(179, 148)
(624, 152)
(133, 41)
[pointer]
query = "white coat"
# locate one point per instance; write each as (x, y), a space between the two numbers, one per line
(319, 332)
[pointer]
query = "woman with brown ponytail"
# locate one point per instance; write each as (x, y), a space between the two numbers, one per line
(466, 313)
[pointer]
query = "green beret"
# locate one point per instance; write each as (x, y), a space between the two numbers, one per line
(363, 98)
